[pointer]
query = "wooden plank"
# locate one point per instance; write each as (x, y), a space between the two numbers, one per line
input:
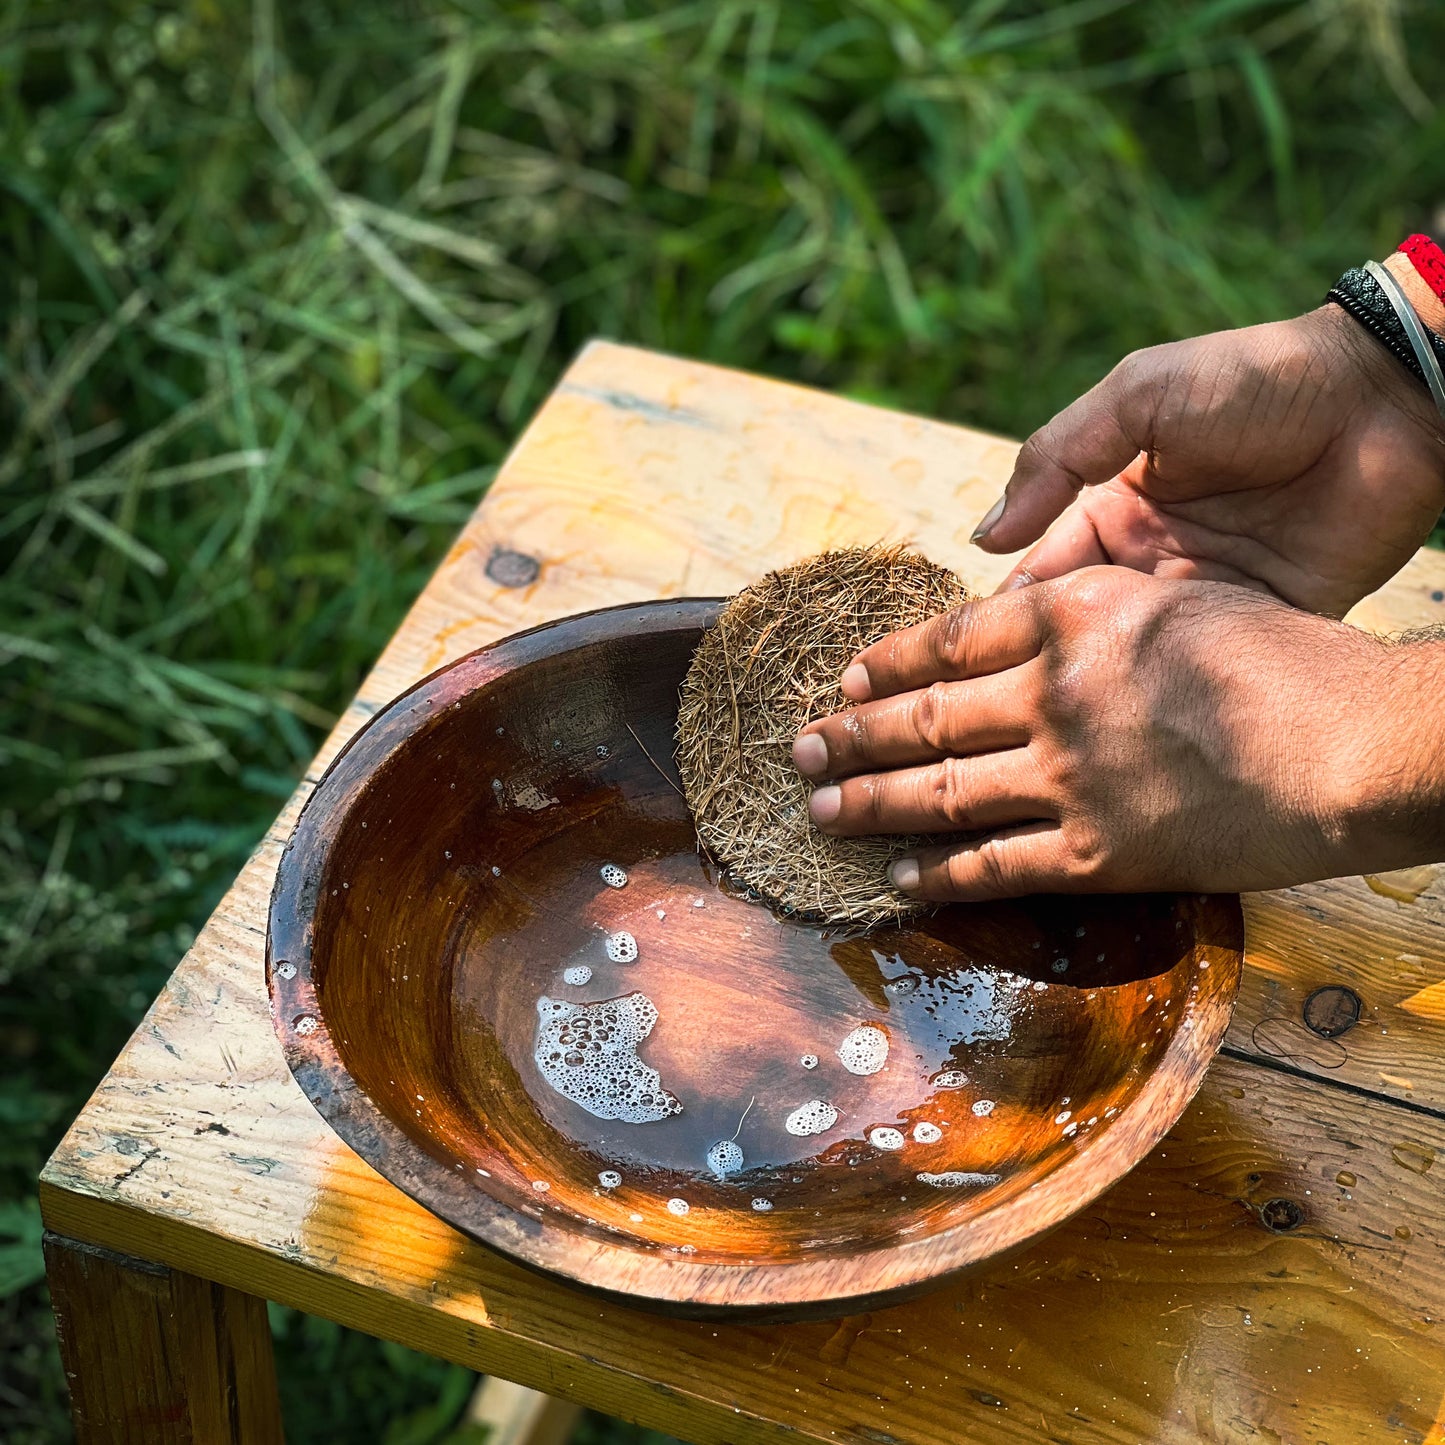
(1171, 1311)
(1388, 954)
(158, 1357)
(646, 476)
(515, 1415)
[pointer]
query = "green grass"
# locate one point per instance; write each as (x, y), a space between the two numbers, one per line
(277, 289)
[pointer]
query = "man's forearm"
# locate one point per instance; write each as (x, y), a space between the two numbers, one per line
(1398, 775)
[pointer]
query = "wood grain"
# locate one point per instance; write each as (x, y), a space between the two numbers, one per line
(645, 476)
(1168, 1311)
(158, 1357)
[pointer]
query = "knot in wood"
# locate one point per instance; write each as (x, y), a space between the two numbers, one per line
(512, 569)
(1281, 1215)
(1332, 1011)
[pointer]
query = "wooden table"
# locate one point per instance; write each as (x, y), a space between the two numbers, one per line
(1272, 1273)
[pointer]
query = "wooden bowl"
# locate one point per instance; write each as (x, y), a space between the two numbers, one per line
(445, 933)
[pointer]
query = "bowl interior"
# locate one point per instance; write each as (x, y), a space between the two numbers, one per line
(664, 1068)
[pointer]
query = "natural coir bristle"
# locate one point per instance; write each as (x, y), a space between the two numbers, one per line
(771, 664)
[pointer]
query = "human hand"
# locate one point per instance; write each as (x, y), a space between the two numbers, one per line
(1110, 732)
(1297, 458)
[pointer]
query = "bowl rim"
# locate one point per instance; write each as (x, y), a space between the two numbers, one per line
(833, 1283)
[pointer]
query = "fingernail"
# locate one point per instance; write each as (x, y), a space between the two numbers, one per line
(810, 755)
(826, 804)
(855, 684)
(904, 874)
(990, 517)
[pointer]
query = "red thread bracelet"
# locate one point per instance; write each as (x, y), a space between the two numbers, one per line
(1427, 259)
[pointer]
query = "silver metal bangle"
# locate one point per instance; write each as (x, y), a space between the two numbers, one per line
(1414, 329)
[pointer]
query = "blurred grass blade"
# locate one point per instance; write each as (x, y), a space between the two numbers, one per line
(121, 541)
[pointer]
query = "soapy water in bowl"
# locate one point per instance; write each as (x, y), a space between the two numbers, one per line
(592, 1054)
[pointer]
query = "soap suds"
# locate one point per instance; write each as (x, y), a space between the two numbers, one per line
(588, 1054)
(621, 948)
(724, 1158)
(814, 1117)
(957, 1179)
(865, 1050)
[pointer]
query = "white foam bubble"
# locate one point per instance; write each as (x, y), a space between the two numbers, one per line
(950, 1079)
(677, 1206)
(1062, 1117)
(577, 975)
(724, 1158)
(926, 1133)
(609, 1179)
(809, 1061)
(957, 1179)
(541, 1186)
(588, 1053)
(982, 1107)
(762, 1205)
(885, 1138)
(811, 1118)
(621, 948)
(865, 1050)
(613, 876)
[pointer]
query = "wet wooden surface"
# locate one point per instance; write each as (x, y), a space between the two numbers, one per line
(1273, 1271)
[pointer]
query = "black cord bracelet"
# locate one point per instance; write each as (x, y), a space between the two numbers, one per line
(1364, 298)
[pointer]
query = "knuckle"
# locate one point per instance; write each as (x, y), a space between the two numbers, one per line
(1034, 454)
(872, 801)
(1088, 851)
(1061, 773)
(953, 637)
(1082, 596)
(1128, 367)
(985, 867)
(1142, 364)
(857, 734)
(930, 716)
(1068, 702)
(952, 792)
